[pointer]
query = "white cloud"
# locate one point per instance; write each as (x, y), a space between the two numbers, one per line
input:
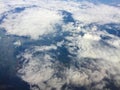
(40, 70)
(40, 20)
(2, 7)
(32, 22)
(40, 67)
(45, 48)
(91, 37)
(17, 43)
(98, 14)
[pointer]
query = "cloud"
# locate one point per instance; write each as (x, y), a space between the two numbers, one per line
(95, 62)
(92, 62)
(32, 22)
(98, 14)
(2, 7)
(17, 43)
(46, 14)
(48, 73)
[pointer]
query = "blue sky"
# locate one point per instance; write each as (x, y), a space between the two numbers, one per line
(108, 1)
(104, 1)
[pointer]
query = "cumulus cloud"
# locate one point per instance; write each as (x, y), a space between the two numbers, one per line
(32, 22)
(92, 62)
(17, 43)
(2, 7)
(48, 73)
(35, 22)
(98, 14)
(89, 41)
(95, 63)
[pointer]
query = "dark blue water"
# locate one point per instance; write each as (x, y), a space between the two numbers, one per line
(67, 17)
(114, 29)
(9, 65)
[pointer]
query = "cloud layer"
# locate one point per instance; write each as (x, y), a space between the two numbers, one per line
(41, 16)
(76, 44)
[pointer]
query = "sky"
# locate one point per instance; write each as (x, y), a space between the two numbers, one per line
(104, 1)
